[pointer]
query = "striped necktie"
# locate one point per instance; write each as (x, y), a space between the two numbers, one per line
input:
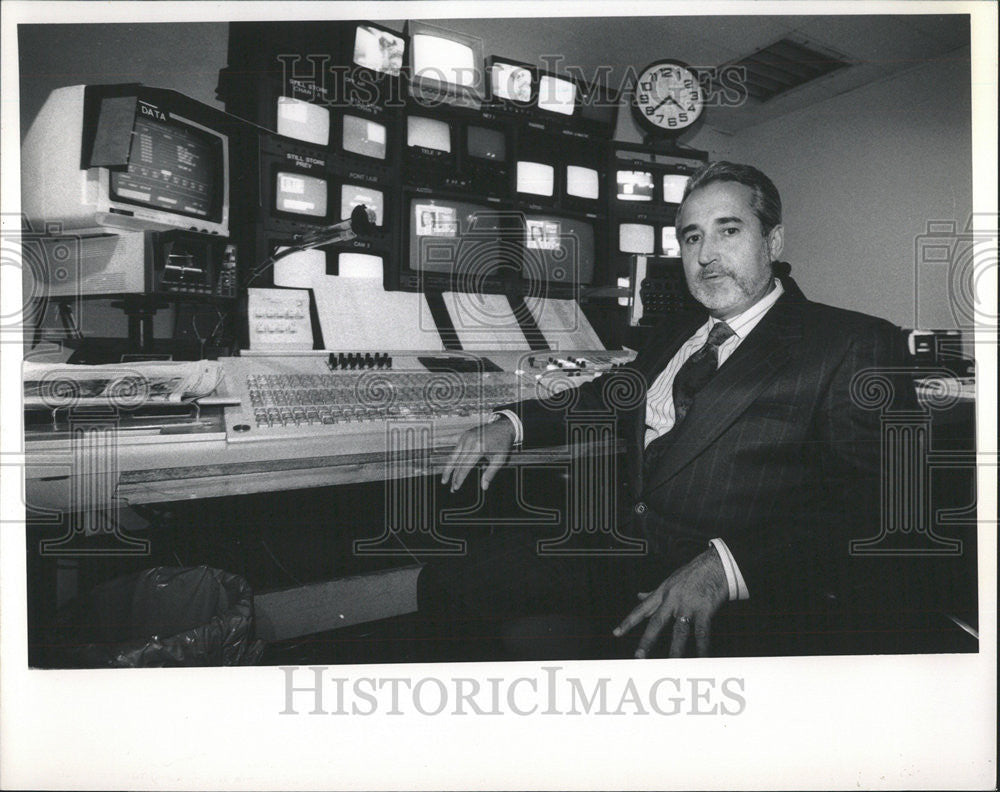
(698, 370)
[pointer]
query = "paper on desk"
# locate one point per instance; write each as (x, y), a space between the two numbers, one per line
(357, 314)
(563, 323)
(118, 384)
(484, 322)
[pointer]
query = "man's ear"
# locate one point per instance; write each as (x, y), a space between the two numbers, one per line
(776, 242)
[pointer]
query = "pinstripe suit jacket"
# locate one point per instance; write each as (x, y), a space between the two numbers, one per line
(774, 456)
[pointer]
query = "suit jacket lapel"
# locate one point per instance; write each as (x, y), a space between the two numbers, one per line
(734, 387)
(651, 365)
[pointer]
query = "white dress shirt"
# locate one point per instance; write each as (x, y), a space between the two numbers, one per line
(660, 404)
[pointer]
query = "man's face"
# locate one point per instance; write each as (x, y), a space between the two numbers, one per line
(727, 258)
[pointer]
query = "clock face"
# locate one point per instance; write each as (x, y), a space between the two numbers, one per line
(668, 97)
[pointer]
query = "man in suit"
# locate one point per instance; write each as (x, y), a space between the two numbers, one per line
(749, 462)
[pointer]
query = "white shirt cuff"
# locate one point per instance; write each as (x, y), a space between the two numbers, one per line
(513, 418)
(737, 585)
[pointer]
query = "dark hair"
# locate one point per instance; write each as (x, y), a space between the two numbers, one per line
(765, 201)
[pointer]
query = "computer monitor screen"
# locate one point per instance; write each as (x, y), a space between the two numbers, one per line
(511, 82)
(582, 182)
(353, 195)
(556, 95)
(444, 59)
(559, 250)
(461, 239)
(303, 121)
(359, 265)
(636, 238)
(635, 185)
(171, 166)
(378, 50)
(598, 106)
(429, 133)
(535, 178)
(668, 242)
(364, 137)
(673, 187)
(485, 143)
(297, 193)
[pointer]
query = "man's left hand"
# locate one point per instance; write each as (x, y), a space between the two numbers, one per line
(689, 598)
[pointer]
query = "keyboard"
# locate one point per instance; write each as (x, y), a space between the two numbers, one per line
(289, 397)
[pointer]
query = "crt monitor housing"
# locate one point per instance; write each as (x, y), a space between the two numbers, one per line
(127, 157)
(445, 66)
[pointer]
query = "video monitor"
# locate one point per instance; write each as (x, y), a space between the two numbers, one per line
(364, 137)
(583, 182)
(378, 49)
(445, 66)
(431, 134)
(359, 265)
(669, 245)
(510, 81)
(556, 94)
(353, 195)
(535, 178)
(486, 143)
(559, 250)
(638, 238)
(673, 187)
(303, 121)
(635, 185)
(299, 194)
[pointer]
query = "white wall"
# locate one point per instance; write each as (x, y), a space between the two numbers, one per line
(860, 176)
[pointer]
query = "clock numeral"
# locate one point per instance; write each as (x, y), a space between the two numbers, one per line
(643, 98)
(689, 84)
(647, 85)
(649, 109)
(672, 121)
(683, 117)
(692, 108)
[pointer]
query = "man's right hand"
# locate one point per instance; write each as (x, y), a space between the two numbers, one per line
(492, 441)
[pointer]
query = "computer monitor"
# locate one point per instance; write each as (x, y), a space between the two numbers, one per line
(557, 94)
(352, 264)
(305, 121)
(634, 185)
(535, 179)
(300, 194)
(354, 195)
(364, 136)
(446, 67)
(379, 49)
(510, 81)
(486, 143)
(432, 136)
(486, 159)
(673, 187)
(127, 157)
(583, 182)
(670, 247)
(637, 238)
(456, 245)
(560, 252)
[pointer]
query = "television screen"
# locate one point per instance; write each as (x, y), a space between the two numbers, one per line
(364, 137)
(556, 95)
(303, 121)
(535, 178)
(352, 195)
(668, 242)
(635, 185)
(378, 50)
(430, 219)
(598, 106)
(559, 250)
(359, 265)
(486, 143)
(636, 238)
(510, 82)
(171, 166)
(429, 133)
(582, 182)
(299, 194)
(444, 59)
(673, 187)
